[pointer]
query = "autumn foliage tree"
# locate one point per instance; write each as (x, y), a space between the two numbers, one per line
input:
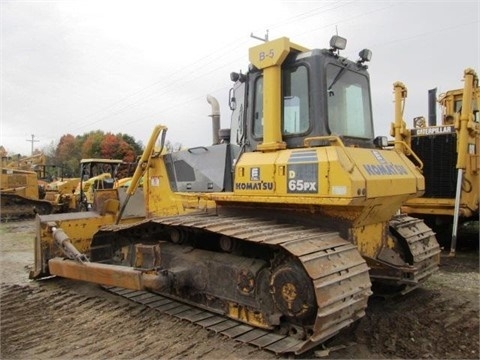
(95, 144)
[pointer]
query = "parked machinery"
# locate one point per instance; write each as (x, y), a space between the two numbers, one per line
(450, 156)
(20, 195)
(281, 224)
(61, 193)
(20, 190)
(23, 162)
(96, 175)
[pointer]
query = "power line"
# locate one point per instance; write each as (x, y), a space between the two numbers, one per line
(224, 49)
(205, 61)
(164, 89)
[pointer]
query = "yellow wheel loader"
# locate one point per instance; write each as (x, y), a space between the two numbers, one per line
(450, 155)
(274, 234)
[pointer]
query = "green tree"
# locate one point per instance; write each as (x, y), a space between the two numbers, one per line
(136, 146)
(92, 146)
(67, 156)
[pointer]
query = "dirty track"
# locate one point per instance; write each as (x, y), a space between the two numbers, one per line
(60, 318)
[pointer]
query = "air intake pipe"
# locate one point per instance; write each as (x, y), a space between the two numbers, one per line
(215, 118)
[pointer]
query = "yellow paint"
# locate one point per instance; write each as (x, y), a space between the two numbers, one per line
(370, 238)
(160, 200)
(20, 182)
(399, 128)
(242, 313)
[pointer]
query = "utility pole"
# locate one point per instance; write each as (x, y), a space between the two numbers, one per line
(33, 141)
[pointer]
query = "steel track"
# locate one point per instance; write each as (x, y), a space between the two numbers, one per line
(338, 273)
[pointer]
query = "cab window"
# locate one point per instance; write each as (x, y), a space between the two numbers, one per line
(295, 101)
(295, 114)
(349, 111)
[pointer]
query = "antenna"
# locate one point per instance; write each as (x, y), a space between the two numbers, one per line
(265, 39)
(33, 141)
(336, 29)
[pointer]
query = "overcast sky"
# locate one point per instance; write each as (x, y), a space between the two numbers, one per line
(124, 66)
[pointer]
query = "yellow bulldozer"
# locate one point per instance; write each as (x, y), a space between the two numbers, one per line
(61, 193)
(272, 235)
(450, 156)
(20, 191)
(20, 196)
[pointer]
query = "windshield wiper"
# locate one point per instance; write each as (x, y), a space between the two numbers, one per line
(337, 77)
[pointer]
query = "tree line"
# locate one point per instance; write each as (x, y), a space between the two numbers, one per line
(94, 144)
(63, 158)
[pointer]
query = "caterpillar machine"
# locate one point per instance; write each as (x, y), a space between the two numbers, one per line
(450, 155)
(279, 228)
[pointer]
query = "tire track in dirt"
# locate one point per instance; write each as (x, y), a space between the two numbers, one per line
(54, 320)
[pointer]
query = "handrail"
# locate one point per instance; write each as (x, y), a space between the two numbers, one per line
(411, 152)
(331, 138)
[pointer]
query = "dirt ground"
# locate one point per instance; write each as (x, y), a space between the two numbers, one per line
(58, 318)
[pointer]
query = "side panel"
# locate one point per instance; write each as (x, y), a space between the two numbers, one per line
(200, 169)
(327, 172)
(387, 173)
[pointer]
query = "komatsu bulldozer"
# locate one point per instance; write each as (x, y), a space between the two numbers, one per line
(450, 156)
(279, 228)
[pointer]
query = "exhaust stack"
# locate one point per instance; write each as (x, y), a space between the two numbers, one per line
(432, 107)
(215, 119)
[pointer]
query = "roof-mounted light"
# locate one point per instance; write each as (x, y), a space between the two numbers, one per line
(237, 77)
(338, 43)
(365, 55)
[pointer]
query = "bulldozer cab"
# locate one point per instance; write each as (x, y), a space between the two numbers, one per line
(318, 93)
(322, 94)
(451, 105)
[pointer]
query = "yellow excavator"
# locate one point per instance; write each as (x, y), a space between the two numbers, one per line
(272, 235)
(450, 156)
